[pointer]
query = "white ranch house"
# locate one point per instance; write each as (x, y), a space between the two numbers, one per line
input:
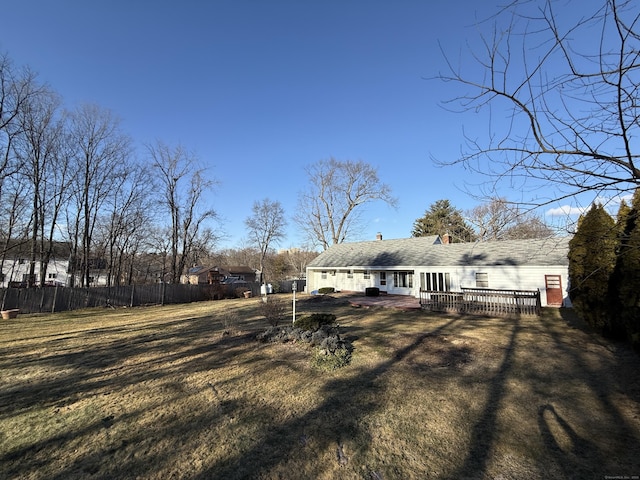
(404, 266)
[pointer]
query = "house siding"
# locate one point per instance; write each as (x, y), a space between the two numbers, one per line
(499, 277)
(503, 265)
(14, 270)
(502, 278)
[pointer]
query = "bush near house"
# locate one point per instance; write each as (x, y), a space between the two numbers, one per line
(326, 290)
(315, 321)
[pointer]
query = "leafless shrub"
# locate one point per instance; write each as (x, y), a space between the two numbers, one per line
(273, 309)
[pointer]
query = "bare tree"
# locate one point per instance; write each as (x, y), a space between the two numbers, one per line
(500, 219)
(329, 209)
(15, 220)
(128, 212)
(298, 258)
(40, 149)
(243, 256)
(100, 152)
(183, 186)
(266, 227)
(17, 87)
(159, 243)
(568, 84)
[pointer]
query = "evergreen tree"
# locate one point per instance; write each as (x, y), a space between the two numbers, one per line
(442, 218)
(621, 220)
(591, 262)
(624, 292)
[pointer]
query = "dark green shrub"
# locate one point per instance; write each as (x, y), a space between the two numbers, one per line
(325, 290)
(315, 321)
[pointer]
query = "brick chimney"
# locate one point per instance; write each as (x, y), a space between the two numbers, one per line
(378, 236)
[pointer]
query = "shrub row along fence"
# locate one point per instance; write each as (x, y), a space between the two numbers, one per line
(483, 301)
(58, 299)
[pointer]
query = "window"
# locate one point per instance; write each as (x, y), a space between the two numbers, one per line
(367, 275)
(52, 275)
(403, 279)
(383, 278)
(323, 275)
(2, 277)
(350, 274)
(482, 280)
(435, 281)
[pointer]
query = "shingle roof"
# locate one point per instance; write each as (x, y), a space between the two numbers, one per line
(421, 251)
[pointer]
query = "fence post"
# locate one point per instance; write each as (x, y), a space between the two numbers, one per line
(55, 297)
(41, 299)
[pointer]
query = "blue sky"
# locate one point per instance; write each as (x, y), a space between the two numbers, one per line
(261, 89)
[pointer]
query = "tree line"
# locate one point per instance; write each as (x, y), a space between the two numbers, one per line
(497, 219)
(72, 177)
(73, 186)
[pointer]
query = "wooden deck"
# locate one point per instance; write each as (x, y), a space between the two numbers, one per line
(482, 301)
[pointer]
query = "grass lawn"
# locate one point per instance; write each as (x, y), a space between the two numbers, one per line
(186, 392)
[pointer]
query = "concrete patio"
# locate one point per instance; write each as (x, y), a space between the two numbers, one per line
(400, 302)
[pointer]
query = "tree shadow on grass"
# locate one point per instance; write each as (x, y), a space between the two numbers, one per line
(337, 424)
(74, 377)
(331, 424)
(556, 431)
(484, 431)
(611, 380)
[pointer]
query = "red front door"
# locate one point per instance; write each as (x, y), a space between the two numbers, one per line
(553, 285)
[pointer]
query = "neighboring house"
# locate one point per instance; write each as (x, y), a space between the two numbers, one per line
(404, 266)
(15, 271)
(247, 274)
(98, 273)
(199, 275)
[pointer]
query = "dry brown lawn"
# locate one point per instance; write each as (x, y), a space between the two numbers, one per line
(186, 392)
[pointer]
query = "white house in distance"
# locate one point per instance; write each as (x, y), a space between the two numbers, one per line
(404, 266)
(15, 270)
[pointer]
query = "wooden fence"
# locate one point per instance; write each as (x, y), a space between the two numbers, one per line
(58, 299)
(483, 301)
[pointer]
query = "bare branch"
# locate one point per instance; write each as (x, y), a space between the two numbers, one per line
(572, 102)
